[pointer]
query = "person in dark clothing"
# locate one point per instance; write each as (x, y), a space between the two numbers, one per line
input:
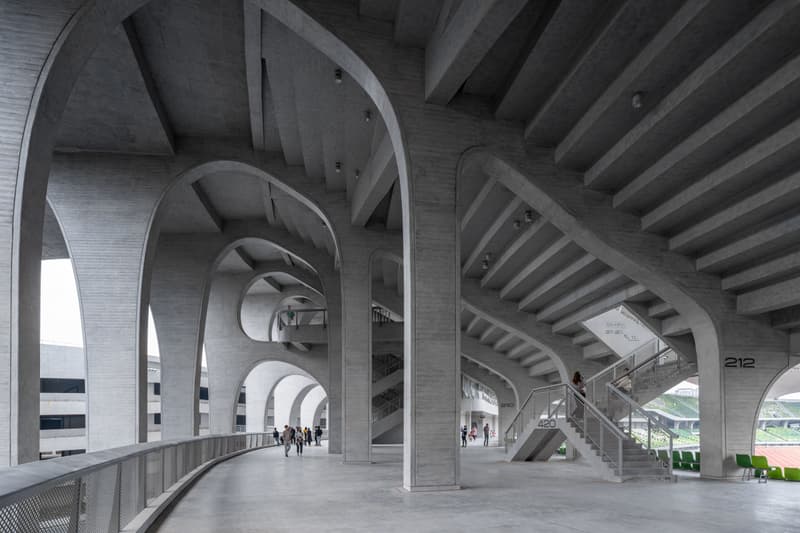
(298, 440)
(318, 436)
(464, 437)
(294, 435)
(276, 436)
(486, 435)
(308, 436)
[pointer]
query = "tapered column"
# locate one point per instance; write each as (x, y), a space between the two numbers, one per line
(432, 364)
(105, 205)
(178, 297)
(356, 355)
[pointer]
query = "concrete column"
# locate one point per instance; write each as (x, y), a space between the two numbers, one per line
(105, 205)
(356, 353)
(29, 29)
(432, 364)
(178, 294)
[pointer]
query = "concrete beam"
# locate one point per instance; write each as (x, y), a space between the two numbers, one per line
(533, 358)
(675, 325)
(602, 305)
(545, 289)
(542, 369)
(520, 350)
(414, 21)
(681, 344)
(488, 332)
(377, 178)
(691, 200)
(502, 343)
(762, 272)
(253, 69)
(660, 310)
(149, 83)
(621, 86)
(629, 197)
(540, 260)
(507, 368)
(596, 350)
(769, 298)
(490, 233)
(582, 295)
(725, 55)
(751, 246)
(457, 49)
(473, 324)
(476, 203)
(786, 319)
(583, 338)
(512, 249)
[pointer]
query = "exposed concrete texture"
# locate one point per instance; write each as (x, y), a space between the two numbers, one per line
(260, 384)
(289, 394)
(105, 205)
(231, 355)
(178, 298)
(312, 406)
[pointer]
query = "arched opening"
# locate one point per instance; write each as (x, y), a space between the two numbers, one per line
(479, 413)
(777, 435)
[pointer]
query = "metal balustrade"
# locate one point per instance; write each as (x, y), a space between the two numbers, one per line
(563, 401)
(302, 317)
(107, 491)
(658, 436)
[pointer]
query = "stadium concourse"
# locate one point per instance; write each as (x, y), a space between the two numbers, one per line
(537, 259)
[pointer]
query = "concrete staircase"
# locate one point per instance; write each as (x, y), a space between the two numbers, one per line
(387, 397)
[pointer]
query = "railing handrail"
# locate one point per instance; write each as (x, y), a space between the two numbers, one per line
(569, 388)
(626, 359)
(21, 481)
(641, 410)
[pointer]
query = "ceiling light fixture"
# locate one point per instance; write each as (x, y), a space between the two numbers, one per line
(484, 265)
(636, 100)
(517, 223)
(528, 216)
(337, 75)
(488, 256)
(367, 115)
(338, 167)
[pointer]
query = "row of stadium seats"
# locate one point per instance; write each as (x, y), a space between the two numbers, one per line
(758, 466)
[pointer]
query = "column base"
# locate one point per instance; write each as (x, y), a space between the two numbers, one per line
(358, 462)
(431, 488)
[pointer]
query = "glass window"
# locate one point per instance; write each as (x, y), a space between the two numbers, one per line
(62, 385)
(241, 420)
(204, 393)
(157, 419)
(157, 389)
(62, 421)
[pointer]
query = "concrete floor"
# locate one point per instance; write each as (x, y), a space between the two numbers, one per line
(264, 491)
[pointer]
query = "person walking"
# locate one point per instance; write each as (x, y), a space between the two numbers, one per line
(299, 440)
(318, 435)
(486, 435)
(308, 436)
(275, 435)
(464, 437)
(287, 440)
(293, 435)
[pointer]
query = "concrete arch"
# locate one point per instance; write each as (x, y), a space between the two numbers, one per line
(313, 401)
(318, 411)
(259, 384)
(296, 412)
(286, 394)
(507, 400)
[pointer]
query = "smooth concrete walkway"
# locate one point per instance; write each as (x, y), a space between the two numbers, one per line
(263, 491)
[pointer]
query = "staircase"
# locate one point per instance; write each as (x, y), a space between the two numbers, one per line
(557, 412)
(641, 379)
(387, 394)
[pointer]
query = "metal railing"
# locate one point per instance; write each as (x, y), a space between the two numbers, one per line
(380, 315)
(657, 437)
(302, 317)
(546, 405)
(384, 405)
(384, 365)
(105, 491)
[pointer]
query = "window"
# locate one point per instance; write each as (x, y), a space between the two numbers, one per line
(61, 385)
(270, 421)
(157, 389)
(204, 393)
(323, 423)
(65, 453)
(62, 421)
(242, 397)
(157, 419)
(241, 420)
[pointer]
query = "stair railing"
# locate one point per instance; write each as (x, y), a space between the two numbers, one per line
(657, 432)
(292, 317)
(383, 366)
(385, 406)
(616, 370)
(543, 408)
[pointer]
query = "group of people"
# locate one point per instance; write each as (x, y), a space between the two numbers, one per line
(473, 435)
(297, 436)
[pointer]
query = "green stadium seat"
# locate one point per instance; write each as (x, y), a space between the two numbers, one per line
(687, 460)
(775, 472)
(676, 459)
(791, 474)
(762, 467)
(743, 461)
(696, 464)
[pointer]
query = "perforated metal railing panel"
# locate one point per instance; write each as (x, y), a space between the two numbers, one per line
(52, 510)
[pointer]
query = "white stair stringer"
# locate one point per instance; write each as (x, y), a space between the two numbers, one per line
(381, 426)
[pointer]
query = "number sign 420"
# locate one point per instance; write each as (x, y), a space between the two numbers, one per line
(548, 423)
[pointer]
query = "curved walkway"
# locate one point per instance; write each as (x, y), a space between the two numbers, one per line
(263, 491)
